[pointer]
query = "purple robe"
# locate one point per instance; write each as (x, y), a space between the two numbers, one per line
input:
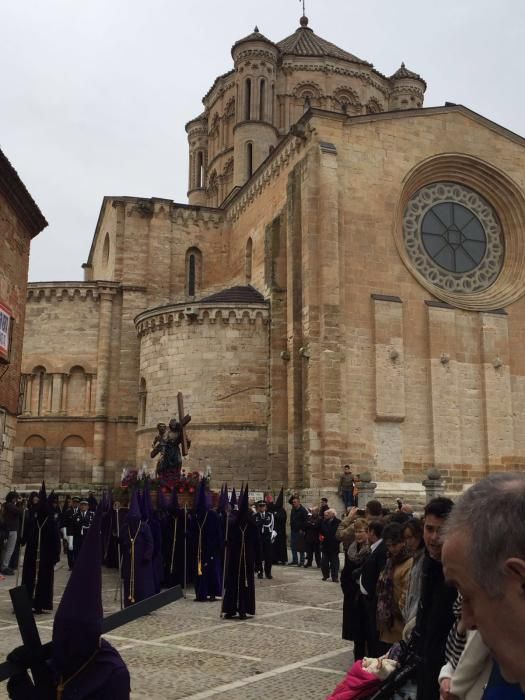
(206, 543)
(39, 579)
(110, 536)
(104, 678)
(143, 584)
(241, 554)
(173, 541)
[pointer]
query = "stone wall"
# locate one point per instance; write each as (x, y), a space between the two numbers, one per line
(15, 240)
(217, 357)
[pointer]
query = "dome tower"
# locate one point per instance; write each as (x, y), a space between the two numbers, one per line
(255, 135)
(197, 130)
(408, 89)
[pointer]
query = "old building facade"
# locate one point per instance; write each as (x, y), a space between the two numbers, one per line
(345, 284)
(20, 221)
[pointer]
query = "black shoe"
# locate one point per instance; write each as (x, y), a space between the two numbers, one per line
(293, 563)
(306, 566)
(6, 571)
(212, 599)
(229, 616)
(268, 577)
(259, 575)
(242, 616)
(325, 578)
(335, 580)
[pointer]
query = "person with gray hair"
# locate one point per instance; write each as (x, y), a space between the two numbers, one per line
(484, 557)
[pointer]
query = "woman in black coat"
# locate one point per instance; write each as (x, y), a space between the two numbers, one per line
(354, 621)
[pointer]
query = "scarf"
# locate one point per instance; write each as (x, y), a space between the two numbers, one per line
(385, 590)
(355, 555)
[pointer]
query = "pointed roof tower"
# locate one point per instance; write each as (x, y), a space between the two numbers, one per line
(305, 42)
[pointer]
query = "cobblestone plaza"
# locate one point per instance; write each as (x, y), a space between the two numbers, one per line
(292, 648)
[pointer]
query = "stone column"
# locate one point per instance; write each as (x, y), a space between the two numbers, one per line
(89, 383)
(28, 396)
(63, 398)
(434, 485)
(367, 489)
(102, 393)
(56, 394)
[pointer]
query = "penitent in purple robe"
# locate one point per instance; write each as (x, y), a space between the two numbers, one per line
(42, 541)
(137, 555)
(206, 545)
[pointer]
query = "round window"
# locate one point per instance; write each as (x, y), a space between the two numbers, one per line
(453, 237)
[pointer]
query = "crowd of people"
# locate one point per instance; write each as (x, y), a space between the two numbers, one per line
(438, 596)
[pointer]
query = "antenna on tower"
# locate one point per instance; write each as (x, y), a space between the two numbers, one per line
(304, 9)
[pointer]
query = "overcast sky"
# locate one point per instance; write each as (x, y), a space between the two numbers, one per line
(94, 95)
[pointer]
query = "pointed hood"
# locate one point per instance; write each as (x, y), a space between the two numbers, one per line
(134, 507)
(233, 499)
(201, 505)
(78, 621)
(92, 502)
(44, 507)
(162, 501)
(174, 504)
(146, 505)
(279, 503)
(223, 499)
(243, 502)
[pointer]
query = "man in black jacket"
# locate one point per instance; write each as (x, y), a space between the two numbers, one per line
(367, 576)
(298, 518)
(330, 546)
(434, 617)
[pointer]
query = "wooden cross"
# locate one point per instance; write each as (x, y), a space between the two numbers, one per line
(41, 652)
(183, 421)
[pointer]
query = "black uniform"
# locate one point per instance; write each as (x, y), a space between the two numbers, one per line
(67, 526)
(265, 527)
(81, 524)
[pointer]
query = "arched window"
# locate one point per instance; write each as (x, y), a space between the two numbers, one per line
(262, 99)
(248, 98)
(193, 271)
(248, 260)
(143, 396)
(200, 169)
(105, 250)
(191, 275)
(249, 159)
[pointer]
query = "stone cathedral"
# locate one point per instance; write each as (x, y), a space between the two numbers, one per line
(345, 284)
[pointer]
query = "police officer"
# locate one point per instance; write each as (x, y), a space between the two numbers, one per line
(68, 528)
(266, 530)
(82, 520)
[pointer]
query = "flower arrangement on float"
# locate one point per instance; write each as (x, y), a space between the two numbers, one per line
(184, 483)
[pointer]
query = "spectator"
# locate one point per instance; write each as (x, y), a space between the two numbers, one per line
(330, 546)
(298, 518)
(345, 532)
(367, 576)
(323, 507)
(392, 587)
(11, 518)
(313, 545)
(373, 510)
(484, 556)
(435, 616)
(354, 620)
(413, 535)
(346, 487)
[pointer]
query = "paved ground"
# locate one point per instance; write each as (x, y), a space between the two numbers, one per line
(291, 649)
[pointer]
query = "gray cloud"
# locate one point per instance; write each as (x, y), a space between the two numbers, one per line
(95, 95)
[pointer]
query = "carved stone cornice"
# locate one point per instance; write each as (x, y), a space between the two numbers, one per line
(408, 90)
(142, 208)
(254, 188)
(161, 318)
(185, 215)
(248, 54)
(288, 68)
(62, 290)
